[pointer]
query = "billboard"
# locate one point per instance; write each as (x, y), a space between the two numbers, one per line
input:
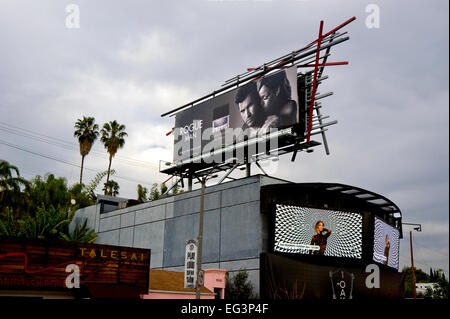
(262, 106)
(386, 244)
(303, 230)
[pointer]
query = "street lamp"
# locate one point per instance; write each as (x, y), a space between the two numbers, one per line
(413, 274)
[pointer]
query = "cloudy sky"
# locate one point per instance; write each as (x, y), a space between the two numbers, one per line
(132, 61)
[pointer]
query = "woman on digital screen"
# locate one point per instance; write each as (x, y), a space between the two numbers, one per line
(386, 250)
(320, 239)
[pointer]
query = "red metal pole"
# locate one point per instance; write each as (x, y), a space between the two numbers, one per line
(335, 29)
(316, 66)
(323, 36)
(168, 179)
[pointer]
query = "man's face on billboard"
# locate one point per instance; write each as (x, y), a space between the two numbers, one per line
(249, 111)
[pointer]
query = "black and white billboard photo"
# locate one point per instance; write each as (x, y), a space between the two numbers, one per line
(257, 108)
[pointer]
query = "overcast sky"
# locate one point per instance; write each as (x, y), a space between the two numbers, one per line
(131, 61)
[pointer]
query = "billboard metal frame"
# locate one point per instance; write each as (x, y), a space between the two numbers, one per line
(290, 139)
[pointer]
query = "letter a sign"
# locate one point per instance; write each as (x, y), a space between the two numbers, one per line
(190, 264)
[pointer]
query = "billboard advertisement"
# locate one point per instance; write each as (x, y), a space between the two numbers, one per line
(259, 107)
(303, 230)
(386, 244)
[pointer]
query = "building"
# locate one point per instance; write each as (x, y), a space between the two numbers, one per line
(164, 284)
(239, 229)
(421, 288)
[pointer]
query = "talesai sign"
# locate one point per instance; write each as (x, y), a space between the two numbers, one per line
(190, 264)
(43, 264)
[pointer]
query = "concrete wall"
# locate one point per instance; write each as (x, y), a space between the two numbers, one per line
(235, 232)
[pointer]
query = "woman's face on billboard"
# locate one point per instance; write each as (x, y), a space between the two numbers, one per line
(268, 99)
(320, 226)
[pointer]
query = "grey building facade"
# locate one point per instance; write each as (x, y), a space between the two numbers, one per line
(235, 232)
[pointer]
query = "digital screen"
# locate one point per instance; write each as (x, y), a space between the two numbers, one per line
(302, 230)
(386, 244)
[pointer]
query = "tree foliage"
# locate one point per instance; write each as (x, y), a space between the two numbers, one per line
(11, 185)
(440, 290)
(141, 193)
(78, 194)
(47, 223)
(435, 276)
(81, 233)
(90, 189)
(238, 286)
(44, 208)
(111, 188)
(48, 191)
(156, 193)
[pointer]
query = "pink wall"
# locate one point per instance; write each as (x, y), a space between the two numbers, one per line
(214, 278)
(168, 295)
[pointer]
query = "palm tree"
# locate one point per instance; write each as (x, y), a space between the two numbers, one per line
(86, 132)
(111, 188)
(113, 137)
(10, 184)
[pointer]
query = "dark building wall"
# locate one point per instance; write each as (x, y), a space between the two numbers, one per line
(284, 277)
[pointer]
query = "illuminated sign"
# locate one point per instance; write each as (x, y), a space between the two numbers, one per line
(386, 244)
(302, 230)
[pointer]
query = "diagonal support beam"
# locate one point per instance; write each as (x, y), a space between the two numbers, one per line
(228, 173)
(316, 67)
(259, 166)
